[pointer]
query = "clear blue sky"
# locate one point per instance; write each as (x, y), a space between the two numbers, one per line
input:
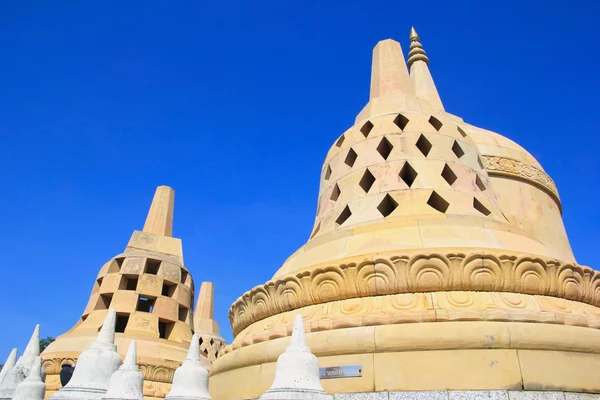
(235, 104)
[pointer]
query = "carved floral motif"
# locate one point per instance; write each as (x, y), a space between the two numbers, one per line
(507, 166)
(489, 270)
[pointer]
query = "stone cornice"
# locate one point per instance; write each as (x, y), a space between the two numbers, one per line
(503, 166)
(489, 270)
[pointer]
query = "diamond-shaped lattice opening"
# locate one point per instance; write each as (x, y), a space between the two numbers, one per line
(327, 172)
(121, 323)
(423, 145)
(340, 141)
(461, 131)
(350, 158)
(367, 181)
(343, 217)
(401, 121)
(436, 123)
(315, 231)
(184, 276)
(335, 194)
(120, 261)
(366, 128)
(385, 148)
(480, 207)
(437, 202)
(480, 183)
(457, 150)
(448, 175)
(387, 205)
(480, 163)
(408, 174)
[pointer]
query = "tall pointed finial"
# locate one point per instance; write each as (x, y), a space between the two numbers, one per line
(9, 363)
(205, 306)
(107, 332)
(33, 347)
(160, 217)
(131, 357)
(416, 52)
(421, 78)
(389, 75)
(194, 350)
(298, 341)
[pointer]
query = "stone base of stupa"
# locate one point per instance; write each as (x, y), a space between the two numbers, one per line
(158, 371)
(468, 395)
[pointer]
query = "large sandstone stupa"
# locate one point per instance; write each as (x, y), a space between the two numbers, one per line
(438, 260)
(153, 295)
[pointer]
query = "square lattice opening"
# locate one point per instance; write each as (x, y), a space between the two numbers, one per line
(437, 202)
(145, 304)
(367, 180)
(408, 174)
(183, 313)
(121, 323)
(387, 205)
(424, 145)
(165, 328)
(152, 266)
(366, 128)
(168, 289)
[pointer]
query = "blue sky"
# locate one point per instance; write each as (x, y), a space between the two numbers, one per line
(235, 104)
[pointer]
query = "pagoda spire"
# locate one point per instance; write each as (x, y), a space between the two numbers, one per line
(160, 216)
(423, 84)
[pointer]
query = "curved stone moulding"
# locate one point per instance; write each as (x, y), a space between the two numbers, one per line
(483, 270)
(424, 307)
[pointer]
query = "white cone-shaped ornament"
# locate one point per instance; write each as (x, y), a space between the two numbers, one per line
(297, 371)
(127, 383)
(9, 363)
(190, 381)
(20, 371)
(94, 367)
(32, 388)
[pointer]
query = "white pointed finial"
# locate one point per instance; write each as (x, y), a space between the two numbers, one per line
(33, 347)
(194, 350)
(131, 357)
(127, 383)
(297, 371)
(107, 332)
(9, 363)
